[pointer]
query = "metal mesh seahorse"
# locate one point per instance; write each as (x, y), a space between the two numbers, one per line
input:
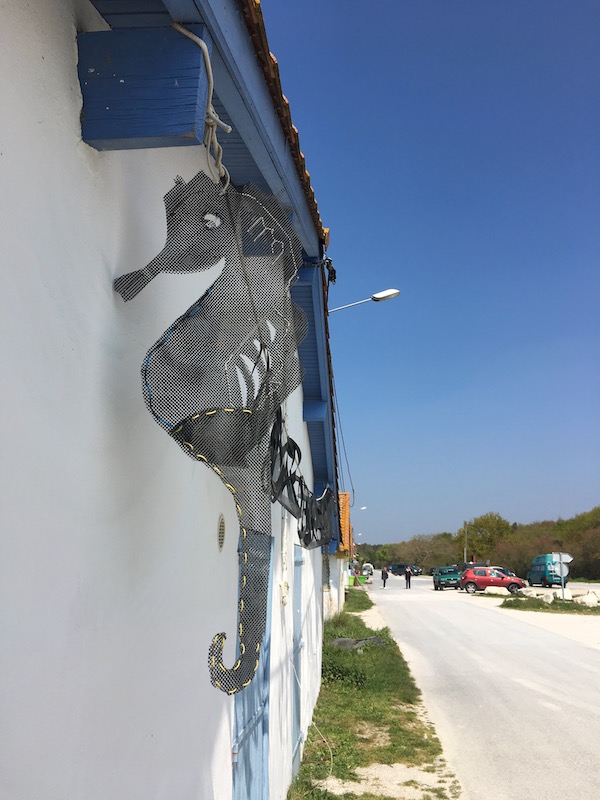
(216, 378)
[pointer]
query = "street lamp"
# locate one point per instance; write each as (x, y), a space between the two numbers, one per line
(378, 297)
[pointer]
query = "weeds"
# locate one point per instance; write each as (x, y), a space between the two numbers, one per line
(381, 724)
(556, 607)
(358, 600)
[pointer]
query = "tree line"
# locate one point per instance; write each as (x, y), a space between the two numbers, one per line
(492, 538)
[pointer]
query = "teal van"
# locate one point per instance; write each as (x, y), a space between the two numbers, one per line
(544, 570)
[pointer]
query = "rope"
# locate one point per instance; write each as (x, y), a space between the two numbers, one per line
(211, 119)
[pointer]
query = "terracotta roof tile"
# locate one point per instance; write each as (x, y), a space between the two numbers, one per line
(253, 17)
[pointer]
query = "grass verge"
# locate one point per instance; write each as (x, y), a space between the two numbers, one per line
(369, 712)
(357, 600)
(557, 607)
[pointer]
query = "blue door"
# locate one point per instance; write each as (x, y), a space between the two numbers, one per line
(297, 650)
(251, 726)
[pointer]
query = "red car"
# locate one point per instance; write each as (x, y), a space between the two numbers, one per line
(477, 578)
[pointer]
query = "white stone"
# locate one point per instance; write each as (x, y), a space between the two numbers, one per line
(526, 592)
(558, 594)
(590, 599)
(495, 590)
(547, 598)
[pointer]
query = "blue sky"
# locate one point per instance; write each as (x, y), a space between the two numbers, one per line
(453, 146)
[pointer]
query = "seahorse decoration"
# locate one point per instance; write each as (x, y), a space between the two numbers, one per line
(216, 379)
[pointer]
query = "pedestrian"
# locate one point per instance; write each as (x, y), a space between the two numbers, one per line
(407, 576)
(384, 576)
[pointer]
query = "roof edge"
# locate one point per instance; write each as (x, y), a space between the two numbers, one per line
(253, 17)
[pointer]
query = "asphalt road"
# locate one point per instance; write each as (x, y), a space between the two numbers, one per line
(516, 707)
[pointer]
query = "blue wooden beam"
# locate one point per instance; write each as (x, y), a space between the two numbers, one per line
(133, 13)
(239, 85)
(315, 410)
(142, 87)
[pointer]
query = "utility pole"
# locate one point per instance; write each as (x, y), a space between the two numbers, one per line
(465, 551)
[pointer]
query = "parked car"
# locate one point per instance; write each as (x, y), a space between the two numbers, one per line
(479, 578)
(397, 569)
(505, 571)
(545, 570)
(367, 569)
(463, 565)
(416, 570)
(444, 577)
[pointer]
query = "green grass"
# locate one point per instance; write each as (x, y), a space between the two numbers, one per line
(367, 711)
(357, 600)
(557, 607)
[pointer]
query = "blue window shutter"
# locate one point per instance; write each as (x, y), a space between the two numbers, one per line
(142, 87)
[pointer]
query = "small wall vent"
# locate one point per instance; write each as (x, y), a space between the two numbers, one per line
(221, 532)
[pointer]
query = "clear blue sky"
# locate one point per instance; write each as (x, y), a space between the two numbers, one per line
(454, 148)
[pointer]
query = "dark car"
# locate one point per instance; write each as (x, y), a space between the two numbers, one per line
(398, 569)
(479, 578)
(416, 570)
(444, 577)
(505, 571)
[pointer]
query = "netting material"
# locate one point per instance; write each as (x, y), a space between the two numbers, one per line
(217, 377)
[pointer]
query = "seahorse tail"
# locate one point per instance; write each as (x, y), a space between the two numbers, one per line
(243, 671)
(254, 558)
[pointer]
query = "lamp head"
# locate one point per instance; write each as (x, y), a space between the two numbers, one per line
(386, 294)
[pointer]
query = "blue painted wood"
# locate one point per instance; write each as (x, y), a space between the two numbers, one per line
(250, 746)
(133, 13)
(315, 410)
(241, 87)
(307, 292)
(141, 88)
(106, 7)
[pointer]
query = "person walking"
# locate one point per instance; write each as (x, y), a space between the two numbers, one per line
(384, 576)
(407, 576)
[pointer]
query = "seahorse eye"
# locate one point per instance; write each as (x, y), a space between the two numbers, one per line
(211, 221)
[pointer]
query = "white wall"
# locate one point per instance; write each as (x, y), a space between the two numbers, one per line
(109, 566)
(283, 674)
(111, 581)
(312, 597)
(334, 597)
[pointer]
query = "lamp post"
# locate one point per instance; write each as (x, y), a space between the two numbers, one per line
(356, 545)
(378, 297)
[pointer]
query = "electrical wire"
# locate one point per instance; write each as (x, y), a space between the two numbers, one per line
(343, 441)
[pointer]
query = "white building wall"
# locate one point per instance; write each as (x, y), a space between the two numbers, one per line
(283, 675)
(334, 596)
(312, 602)
(111, 581)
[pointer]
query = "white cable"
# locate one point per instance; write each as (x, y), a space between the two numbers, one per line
(211, 119)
